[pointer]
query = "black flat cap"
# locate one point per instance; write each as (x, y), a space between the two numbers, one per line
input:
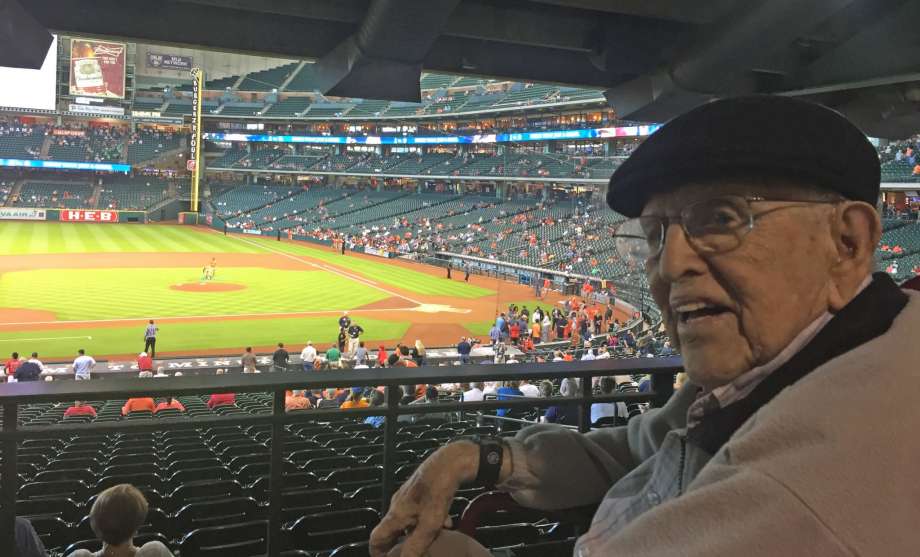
(760, 135)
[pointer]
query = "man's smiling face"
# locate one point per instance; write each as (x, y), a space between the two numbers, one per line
(735, 310)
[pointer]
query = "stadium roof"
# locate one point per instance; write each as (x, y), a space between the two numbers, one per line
(655, 58)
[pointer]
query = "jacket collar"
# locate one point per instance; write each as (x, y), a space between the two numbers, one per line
(866, 317)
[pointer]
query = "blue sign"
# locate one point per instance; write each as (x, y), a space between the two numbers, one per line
(595, 133)
(67, 165)
(168, 61)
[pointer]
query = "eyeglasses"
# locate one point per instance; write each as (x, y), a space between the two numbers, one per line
(716, 225)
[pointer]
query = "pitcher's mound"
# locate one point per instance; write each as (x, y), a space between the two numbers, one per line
(207, 287)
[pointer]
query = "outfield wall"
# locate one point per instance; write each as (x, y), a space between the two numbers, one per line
(73, 215)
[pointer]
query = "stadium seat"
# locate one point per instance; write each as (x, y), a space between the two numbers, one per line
(233, 540)
(217, 512)
(326, 531)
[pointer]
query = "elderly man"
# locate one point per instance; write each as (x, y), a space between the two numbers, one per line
(754, 219)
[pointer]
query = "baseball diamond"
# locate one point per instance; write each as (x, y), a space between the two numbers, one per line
(96, 285)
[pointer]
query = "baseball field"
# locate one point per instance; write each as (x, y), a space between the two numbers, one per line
(65, 286)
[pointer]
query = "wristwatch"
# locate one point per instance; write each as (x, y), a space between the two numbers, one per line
(491, 453)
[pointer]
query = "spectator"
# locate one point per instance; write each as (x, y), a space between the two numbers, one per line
(28, 543)
(589, 353)
(355, 400)
(12, 364)
(546, 389)
(80, 408)
(333, 355)
(171, 403)
(83, 365)
(528, 389)
(221, 399)
(608, 409)
(144, 362)
(30, 370)
(342, 340)
(375, 400)
(508, 391)
(474, 392)
(418, 353)
(495, 334)
(361, 354)
(248, 360)
(564, 413)
(329, 400)
(464, 348)
(280, 358)
(308, 356)
(297, 401)
(139, 404)
(381, 356)
(431, 397)
(115, 518)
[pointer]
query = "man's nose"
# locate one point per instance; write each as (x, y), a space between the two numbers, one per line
(678, 257)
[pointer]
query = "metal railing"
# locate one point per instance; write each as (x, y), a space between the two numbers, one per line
(14, 395)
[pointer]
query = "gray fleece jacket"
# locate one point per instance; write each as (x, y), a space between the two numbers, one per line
(826, 468)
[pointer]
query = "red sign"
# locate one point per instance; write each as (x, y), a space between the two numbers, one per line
(79, 215)
(97, 69)
(190, 165)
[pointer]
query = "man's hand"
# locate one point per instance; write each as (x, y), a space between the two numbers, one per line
(420, 507)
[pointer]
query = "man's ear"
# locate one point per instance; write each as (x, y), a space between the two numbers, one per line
(856, 230)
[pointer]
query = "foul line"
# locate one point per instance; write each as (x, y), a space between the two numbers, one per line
(330, 270)
(187, 317)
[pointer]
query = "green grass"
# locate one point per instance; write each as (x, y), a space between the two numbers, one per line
(232, 335)
(413, 281)
(20, 238)
(86, 294)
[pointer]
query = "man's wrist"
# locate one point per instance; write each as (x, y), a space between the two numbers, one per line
(463, 457)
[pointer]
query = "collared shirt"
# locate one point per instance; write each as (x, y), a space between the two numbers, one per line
(472, 395)
(741, 386)
(308, 354)
(83, 365)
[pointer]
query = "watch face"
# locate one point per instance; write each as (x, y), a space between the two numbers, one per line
(493, 458)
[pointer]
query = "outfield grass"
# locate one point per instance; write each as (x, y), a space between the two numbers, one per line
(21, 238)
(231, 334)
(408, 279)
(87, 294)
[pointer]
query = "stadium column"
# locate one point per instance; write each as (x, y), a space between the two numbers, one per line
(275, 483)
(584, 409)
(389, 445)
(9, 478)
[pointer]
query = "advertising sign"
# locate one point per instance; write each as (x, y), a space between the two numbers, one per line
(101, 110)
(67, 165)
(97, 68)
(80, 215)
(168, 61)
(13, 213)
(376, 251)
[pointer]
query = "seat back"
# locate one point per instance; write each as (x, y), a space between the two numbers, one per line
(233, 540)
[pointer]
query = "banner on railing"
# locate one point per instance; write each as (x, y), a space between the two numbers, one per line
(13, 213)
(376, 251)
(80, 215)
(253, 231)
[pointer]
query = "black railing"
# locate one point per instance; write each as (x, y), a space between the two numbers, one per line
(12, 396)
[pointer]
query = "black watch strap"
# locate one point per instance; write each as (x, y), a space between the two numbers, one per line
(491, 453)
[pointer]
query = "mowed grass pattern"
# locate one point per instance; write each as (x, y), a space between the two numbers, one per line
(408, 279)
(90, 294)
(22, 238)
